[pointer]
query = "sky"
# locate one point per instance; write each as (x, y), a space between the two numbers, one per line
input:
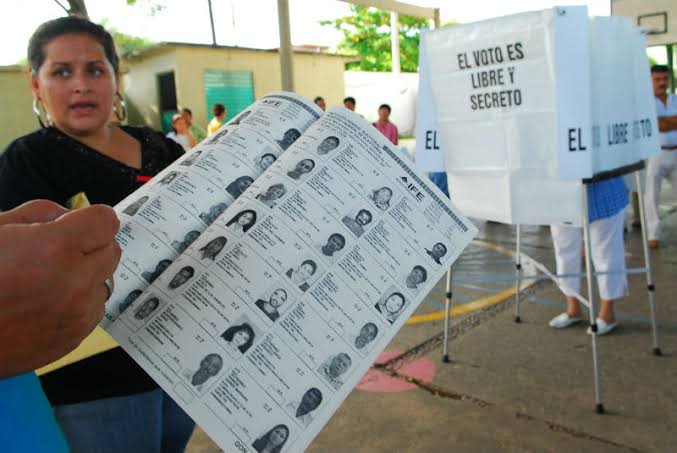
(245, 23)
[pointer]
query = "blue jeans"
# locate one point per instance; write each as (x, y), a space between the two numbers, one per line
(149, 422)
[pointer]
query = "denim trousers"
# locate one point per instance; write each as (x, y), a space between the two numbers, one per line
(149, 422)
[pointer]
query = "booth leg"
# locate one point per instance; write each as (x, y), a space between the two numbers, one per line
(599, 407)
(447, 319)
(647, 264)
(518, 273)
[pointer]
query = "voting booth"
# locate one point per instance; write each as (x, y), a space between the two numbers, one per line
(531, 108)
(530, 104)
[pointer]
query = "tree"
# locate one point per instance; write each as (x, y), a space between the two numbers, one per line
(366, 33)
(76, 8)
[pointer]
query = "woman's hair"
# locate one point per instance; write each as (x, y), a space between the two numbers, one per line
(231, 331)
(262, 442)
(240, 214)
(65, 25)
(218, 109)
(220, 239)
(312, 264)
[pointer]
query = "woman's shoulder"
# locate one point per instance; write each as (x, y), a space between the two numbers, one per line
(158, 150)
(29, 144)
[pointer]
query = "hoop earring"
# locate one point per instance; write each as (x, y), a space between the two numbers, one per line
(121, 111)
(38, 112)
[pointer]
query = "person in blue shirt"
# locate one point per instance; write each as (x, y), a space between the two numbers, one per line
(607, 200)
(54, 269)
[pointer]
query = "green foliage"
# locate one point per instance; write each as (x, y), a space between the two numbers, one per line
(366, 34)
(153, 6)
(124, 43)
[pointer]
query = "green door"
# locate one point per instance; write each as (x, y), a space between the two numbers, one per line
(234, 89)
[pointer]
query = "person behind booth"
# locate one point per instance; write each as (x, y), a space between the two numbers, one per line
(607, 200)
(663, 166)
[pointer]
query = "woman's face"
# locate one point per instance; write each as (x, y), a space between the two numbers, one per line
(275, 192)
(244, 184)
(305, 271)
(305, 166)
(278, 436)
(240, 338)
(383, 195)
(245, 219)
(76, 84)
(278, 298)
(266, 161)
(180, 126)
(394, 303)
(215, 247)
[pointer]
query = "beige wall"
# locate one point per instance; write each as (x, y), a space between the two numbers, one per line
(141, 87)
(314, 74)
(16, 115)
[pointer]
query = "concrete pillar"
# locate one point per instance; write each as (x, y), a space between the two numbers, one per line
(286, 60)
(395, 42)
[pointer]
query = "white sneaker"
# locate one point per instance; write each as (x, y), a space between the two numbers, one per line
(603, 327)
(563, 320)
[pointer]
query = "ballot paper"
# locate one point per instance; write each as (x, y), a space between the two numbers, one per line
(264, 271)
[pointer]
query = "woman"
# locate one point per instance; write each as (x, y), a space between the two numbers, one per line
(391, 307)
(106, 400)
(273, 440)
(213, 248)
(242, 221)
(417, 276)
(274, 193)
(271, 307)
(180, 133)
(219, 111)
(302, 167)
(239, 338)
(265, 161)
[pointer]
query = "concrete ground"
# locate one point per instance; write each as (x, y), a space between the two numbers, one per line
(521, 387)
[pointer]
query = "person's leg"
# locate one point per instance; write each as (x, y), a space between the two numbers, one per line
(177, 426)
(129, 424)
(568, 242)
(608, 255)
(652, 198)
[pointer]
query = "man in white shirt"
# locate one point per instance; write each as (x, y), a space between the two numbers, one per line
(663, 166)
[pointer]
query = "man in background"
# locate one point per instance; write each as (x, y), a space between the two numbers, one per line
(349, 103)
(663, 166)
(388, 129)
(199, 134)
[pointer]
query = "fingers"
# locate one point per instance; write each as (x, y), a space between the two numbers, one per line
(103, 262)
(89, 228)
(36, 211)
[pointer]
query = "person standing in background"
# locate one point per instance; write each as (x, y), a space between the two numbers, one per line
(663, 166)
(180, 133)
(198, 133)
(219, 111)
(388, 129)
(319, 101)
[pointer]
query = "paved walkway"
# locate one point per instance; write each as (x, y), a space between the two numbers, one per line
(517, 387)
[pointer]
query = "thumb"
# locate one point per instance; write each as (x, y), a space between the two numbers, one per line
(36, 211)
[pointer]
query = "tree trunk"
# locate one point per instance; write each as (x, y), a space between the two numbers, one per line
(77, 8)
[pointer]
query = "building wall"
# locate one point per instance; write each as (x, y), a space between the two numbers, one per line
(314, 74)
(16, 115)
(141, 88)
